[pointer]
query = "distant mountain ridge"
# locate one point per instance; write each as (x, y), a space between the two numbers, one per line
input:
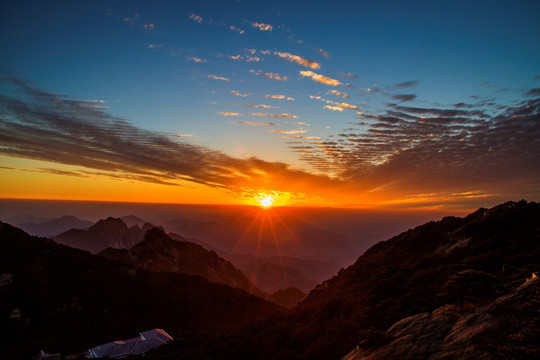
(159, 252)
(53, 227)
(110, 232)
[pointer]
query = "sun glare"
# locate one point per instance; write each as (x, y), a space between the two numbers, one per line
(267, 201)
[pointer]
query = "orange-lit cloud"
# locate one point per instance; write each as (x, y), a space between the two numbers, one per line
(339, 93)
(279, 97)
(323, 53)
(272, 76)
(335, 108)
(238, 93)
(402, 156)
(240, 31)
(262, 26)
(320, 78)
(299, 60)
(196, 18)
(196, 59)
(221, 78)
(229, 113)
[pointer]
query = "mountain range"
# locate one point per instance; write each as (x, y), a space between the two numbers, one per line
(110, 232)
(456, 268)
(454, 288)
(67, 300)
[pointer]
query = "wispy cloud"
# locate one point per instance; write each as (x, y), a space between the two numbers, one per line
(299, 60)
(350, 76)
(254, 123)
(196, 18)
(262, 26)
(196, 59)
(323, 53)
(404, 97)
(334, 108)
(155, 46)
(279, 96)
(533, 92)
(221, 78)
(260, 106)
(274, 115)
(404, 85)
(339, 93)
(238, 93)
(132, 20)
(229, 113)
(272, 76)
(320, 78)
(149, 27)
(233, 28)
(288, 132)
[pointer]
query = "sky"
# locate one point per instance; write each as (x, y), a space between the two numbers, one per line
(370, 104)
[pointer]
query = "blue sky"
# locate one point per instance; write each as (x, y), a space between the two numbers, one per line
(296, 83)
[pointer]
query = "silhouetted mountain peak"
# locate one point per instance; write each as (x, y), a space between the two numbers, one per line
(110, 225)
(159, 252)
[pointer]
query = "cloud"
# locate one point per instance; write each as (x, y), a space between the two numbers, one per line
(320, 78)
(196, 59)
(254, 123)
(155, 46)
(132, 20)
(533, 92)
(229, 113)
(274, 115)
(59, 129)
(260, 106)
(262, 26)
(404, 97)
(279, 96)
(240, 31)
(149, 27)
(272, 76)
(288, 132)
(221, 78)
(323, 53)
(196, 18)
(335, 108)
(238, 93)
(299, 60)
(339, 93)
(404, 85)
(350, 76)
(342, 105)
(184, 135)
(397, 156)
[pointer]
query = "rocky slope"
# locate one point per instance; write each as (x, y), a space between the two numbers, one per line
(508, 326)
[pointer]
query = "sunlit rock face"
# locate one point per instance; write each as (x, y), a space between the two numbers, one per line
(495, 330)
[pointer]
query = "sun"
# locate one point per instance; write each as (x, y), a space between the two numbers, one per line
(266, 201)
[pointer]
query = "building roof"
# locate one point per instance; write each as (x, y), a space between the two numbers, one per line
(146, 341)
